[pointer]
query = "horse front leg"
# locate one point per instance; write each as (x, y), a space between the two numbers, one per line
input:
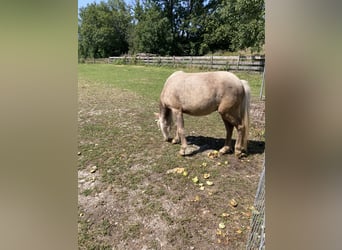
(227, 148)
(176, 139)
(180, 132)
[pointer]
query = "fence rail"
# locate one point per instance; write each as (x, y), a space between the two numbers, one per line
(238, 63)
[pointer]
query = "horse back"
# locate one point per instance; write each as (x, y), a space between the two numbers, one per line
(201, 93)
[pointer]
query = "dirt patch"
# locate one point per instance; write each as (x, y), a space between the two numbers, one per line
(129, 201)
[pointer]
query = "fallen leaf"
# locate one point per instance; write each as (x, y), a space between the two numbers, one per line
(233, 203)
(195, 179)
(93, 169)
(218, 232)
(222, 225)
(201, 188)
(175, 171)
(213, 154)
(204, 164)
(226, 162)
(224, 214)
(246, 214)
(209, 183)
(239, 231)
(206, 175)
(185, 173)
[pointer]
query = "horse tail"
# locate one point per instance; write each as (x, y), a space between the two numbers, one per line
(166, 118)
(245, 110)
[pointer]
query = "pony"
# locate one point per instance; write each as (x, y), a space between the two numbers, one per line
(200, 94)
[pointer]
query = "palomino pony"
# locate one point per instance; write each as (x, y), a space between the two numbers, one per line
(200, 94)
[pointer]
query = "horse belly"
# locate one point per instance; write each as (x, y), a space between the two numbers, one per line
(199, 108)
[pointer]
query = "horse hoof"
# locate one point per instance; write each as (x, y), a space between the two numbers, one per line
(225, 150)
(241, 155)
(182, 152)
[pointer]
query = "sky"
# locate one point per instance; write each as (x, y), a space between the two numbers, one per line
(83, 3)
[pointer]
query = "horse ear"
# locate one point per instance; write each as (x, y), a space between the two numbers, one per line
(156, 115)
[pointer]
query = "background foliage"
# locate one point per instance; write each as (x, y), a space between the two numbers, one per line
(170, 27)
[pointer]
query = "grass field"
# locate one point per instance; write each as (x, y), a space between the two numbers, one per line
(128, 196)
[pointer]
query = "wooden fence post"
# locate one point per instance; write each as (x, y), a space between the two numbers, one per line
(262, 84)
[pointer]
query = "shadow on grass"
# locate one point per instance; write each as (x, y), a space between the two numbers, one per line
(209, 143)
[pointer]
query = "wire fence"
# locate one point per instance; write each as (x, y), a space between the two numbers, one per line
(256, 238)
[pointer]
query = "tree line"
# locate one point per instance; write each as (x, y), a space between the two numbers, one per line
(170, 27)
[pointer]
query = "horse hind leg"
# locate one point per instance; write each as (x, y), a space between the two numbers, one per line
(227, 148)
(240, 144)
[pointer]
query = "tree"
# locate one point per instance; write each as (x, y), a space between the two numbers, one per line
(234, 25)
(171, 27)
(251, 29)
(152, 31)
(103, 29)
(190, 25)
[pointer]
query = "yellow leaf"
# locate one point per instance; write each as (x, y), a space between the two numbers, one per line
(206, 175)
(197, 198)
(218, 232)
(175, 171)
(213, 154)
(222, 225)
(195, 179)
(209, 183)
(233, 203)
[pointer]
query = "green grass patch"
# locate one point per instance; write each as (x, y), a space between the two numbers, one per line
(147, 81)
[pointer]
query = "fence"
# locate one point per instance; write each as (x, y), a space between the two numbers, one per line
(256, 239)
(237, 63)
